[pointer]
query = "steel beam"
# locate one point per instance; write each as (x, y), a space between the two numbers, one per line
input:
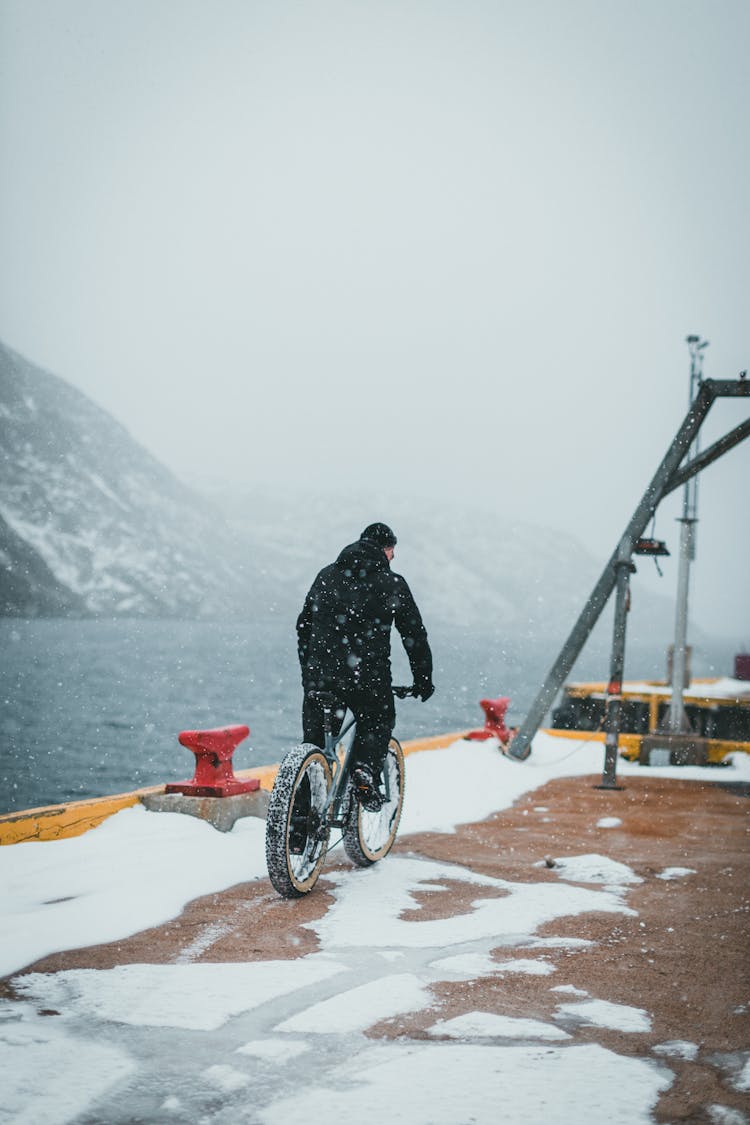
(616, 670)
(723, 445)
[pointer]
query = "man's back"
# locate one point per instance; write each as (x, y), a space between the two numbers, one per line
(344, 629)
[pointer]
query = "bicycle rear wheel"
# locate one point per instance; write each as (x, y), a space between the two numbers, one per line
(368, 836)
(296, 829)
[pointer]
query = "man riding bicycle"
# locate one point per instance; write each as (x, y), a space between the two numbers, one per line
(344, 645)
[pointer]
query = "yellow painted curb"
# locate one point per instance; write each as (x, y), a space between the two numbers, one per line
(57, 822)
(437, 742)
(266, 775)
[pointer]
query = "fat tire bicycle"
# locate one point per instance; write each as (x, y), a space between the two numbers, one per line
(314, 793)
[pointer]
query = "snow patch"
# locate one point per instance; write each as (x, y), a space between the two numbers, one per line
(742, 1081)
(199, 997)
(273, 1049)
(367, 912)
(443, 790)
(467, 965)
(471, 965)
(593, 869)
(445, 1083)
(66, 1074)
(226, 1078)
(723, 1115)
(677, 1049)
(675, 872)
(204, 940)
(604, 1013)
(609, 822)
(361, 1007)
(491, 1026)
(535, 967)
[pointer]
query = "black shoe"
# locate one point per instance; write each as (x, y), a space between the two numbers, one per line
(366, 790)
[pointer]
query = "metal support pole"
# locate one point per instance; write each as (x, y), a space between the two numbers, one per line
(678, 721)
(616, 668)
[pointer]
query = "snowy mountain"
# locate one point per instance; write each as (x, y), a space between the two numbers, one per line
(91, 523)
(517, 586)
(464, 565)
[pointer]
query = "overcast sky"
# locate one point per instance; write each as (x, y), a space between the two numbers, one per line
(423, 247)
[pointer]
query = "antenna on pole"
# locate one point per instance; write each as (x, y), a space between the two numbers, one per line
(677, 719)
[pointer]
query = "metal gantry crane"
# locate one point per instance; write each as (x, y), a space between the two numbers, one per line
(676, 469)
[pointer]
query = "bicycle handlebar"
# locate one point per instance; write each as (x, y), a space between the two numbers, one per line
(328, 698)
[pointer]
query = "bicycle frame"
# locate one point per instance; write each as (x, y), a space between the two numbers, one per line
(332, 810)
(339, 770)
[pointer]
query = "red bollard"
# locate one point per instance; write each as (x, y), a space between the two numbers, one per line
(214, 776)
(494, 723)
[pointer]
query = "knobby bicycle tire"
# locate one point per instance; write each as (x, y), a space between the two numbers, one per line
(369, 836)
(296, 837)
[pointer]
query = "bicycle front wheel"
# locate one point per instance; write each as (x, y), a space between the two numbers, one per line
(368, 836)
(296, 827)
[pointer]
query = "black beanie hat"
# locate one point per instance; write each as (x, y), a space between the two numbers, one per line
(380, 534)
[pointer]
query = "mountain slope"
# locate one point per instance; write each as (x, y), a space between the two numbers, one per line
(472, 573)
(92, 523)
(28, 588)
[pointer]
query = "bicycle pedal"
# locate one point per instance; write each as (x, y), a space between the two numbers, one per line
(367, 793)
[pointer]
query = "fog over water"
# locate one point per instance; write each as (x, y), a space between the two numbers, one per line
(419, 249)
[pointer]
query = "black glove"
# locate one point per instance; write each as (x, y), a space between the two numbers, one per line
(423, 689)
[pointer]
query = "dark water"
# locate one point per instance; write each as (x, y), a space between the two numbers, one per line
(89, 708)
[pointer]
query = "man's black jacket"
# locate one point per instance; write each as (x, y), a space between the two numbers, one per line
(344, 629)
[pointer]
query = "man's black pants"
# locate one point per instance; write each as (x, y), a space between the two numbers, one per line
(375, 714)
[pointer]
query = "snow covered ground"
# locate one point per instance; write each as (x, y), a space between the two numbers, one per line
(282, 1041)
